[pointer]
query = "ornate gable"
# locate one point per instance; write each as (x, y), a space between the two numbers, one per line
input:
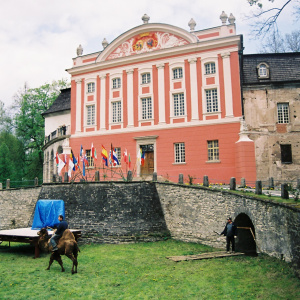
(146, 38)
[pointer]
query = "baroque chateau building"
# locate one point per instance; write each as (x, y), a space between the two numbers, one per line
(170, 94)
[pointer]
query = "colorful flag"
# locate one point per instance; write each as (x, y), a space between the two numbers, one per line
(85, 160)
(125, 156)
(75, 162)
(139, 156)
(71, 165)
(57, 161)
(81, 150)
(111, 153)
(95, 154)
(104, 155)
(113, 158)
(142, 158)
(83, 168)
(129, 162)
(92, 151)
(60, 165)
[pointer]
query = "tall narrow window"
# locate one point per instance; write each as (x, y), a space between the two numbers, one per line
(286, 154)
(213, 150)
(90, 120)
(179, 149)
(283, 112)
(146, 78)
(118, 153)
(89, 157)
(116, 112)
(177, 73)
(212, 100)
(91, 87)
(210, 68)
(146, 108)
(116, 83)
(178, 104)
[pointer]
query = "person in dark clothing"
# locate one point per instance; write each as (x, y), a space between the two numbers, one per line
(230, 231)
(61, 227)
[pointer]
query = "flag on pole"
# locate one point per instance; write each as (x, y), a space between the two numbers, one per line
(83, 168)
(60, 165)
(104, 155)
(92, 151)
(139, 156)
(95, 154)
(57, 161)
(129, 162)
(111, 152)
(71, 165)
(74, 160)
(81, 150)
(113, 158)
(142, 158)
(125, 156)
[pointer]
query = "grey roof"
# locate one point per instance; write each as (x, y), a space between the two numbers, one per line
(283, 67)
(62, 102)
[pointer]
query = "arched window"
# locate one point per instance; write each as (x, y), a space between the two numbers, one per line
(263, 70)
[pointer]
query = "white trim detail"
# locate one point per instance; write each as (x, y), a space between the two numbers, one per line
(102, 102)
(130, 97)
(78, 105)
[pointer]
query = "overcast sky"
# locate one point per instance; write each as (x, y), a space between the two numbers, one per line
(38, 38)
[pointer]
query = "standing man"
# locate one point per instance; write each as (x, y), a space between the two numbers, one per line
(230, 231)
(61, 227)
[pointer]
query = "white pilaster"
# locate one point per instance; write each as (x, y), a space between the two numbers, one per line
(78, 105)
(130, 97)
(227, 84)
(194, 92)
(102, 101)
(161, 94)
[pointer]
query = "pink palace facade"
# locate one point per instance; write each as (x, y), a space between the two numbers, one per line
(175, 94)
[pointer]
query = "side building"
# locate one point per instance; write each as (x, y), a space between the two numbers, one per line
(271, 96)
(174, 95)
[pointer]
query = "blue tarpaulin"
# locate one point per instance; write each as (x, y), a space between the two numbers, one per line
(47, 212)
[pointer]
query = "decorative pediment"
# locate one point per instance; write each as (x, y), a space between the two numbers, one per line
(146, 38)
(145, 42)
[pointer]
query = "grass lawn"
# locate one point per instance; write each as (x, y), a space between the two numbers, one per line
(141, 271)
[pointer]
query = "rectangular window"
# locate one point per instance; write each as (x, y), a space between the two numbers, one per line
(177, 73)
(212, 100)
(90, 120)
(283, 112)
(90, 160)
(213, 150)
(146, 78)
(146, 108)
(179, 152)
(116, 112)
(118, 152)
(116, 83)
(210, 68)
(286, 154)
(91, 87)
(178, 104)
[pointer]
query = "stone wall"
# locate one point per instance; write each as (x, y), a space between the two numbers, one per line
(17, 207)
(111, 211)
(194, 214)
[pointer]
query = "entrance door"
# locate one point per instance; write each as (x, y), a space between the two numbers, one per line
(148, 167)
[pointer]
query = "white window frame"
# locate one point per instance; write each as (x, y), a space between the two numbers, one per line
(90, 115)
(146, 108)
(89, 157)
(213, 151)
(179, 153)
(177, 73)
(178, 104)
(116, 108)
(91, 87)
(283, 116)
(263, 71)
(210, 68)
(116, 83)
(212, 100)
(146, 78)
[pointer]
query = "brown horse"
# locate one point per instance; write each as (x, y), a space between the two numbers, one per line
(67, 245)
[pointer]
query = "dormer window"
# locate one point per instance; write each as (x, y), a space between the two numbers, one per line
(116, 83)
(263, 71)
(91, 87)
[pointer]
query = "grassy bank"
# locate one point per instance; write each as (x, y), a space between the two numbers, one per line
(141, 271)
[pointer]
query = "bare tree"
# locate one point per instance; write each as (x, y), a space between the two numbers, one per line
(273, 43)
(293, 41)
(266, 19)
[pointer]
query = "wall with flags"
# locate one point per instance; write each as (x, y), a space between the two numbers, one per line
(167, 99)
